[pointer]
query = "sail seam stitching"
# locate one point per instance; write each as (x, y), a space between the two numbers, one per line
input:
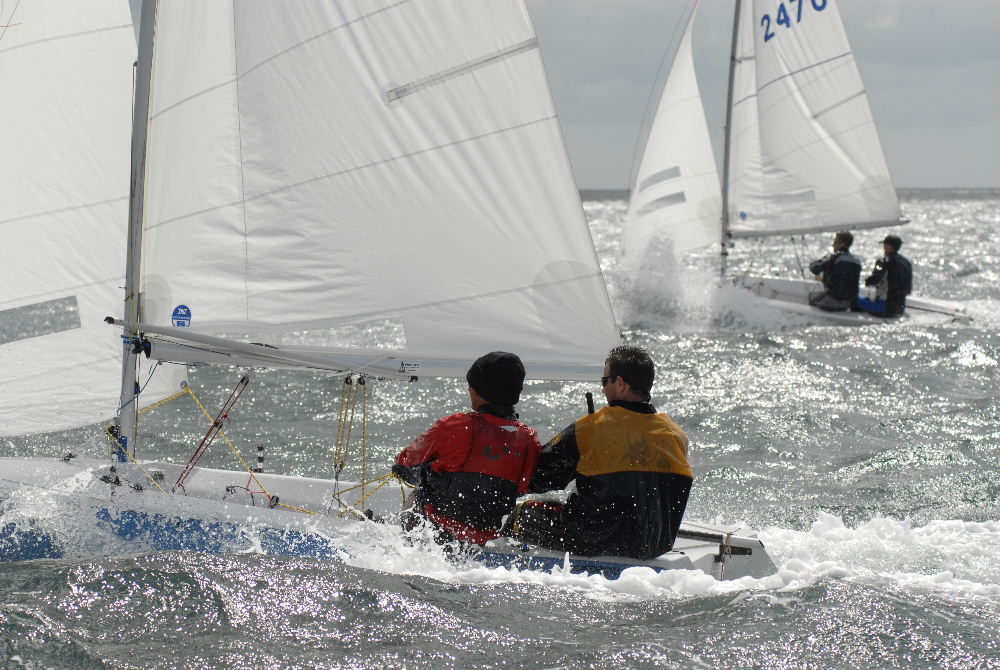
(84, 33)
(388, 312)
(243, 175)
(804, 69)
(800, 87)
(63, 210)
(57, 291)
(827, 227)
(8, 24)
(277, 55)
(814, 203)
(357, 168)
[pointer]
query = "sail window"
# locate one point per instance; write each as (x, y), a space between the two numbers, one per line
(397, 92)
(41, 318)
(660, 203)
(660, 177)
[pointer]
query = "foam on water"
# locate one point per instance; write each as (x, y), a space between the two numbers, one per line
(948, 558)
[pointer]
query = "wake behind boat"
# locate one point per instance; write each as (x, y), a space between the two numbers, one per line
(802, 155)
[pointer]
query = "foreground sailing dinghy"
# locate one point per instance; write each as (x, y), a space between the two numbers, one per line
(802, 154)
(119, 508)
(295, 169)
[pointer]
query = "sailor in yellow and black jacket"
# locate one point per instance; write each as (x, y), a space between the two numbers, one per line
(631, 470)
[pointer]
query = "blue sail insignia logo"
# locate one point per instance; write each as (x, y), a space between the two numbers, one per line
(181, 316)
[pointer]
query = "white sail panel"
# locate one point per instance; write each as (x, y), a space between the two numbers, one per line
(823, 166)
(746, 178)
(675, 199)
(314, 164)
(66, 69)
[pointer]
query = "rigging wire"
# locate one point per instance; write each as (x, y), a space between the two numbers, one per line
(143, 388)
(798, 261)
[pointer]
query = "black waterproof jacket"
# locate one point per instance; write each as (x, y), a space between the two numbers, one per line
(632, 480)
(841, 271)
(898, 272)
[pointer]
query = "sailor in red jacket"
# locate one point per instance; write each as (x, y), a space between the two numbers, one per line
(470, 467)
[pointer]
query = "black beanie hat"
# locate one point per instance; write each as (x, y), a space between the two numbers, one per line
(498, 377)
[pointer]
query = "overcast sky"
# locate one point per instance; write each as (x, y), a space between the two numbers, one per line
(931, 69)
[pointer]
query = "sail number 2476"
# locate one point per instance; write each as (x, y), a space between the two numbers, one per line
(784, 18)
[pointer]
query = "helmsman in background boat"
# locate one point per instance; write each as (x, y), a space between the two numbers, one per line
(470, 467)
(631, 470)
(892, 279)
(839, 272)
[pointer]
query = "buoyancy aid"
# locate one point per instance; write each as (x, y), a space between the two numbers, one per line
(632, 481)
(470, 468)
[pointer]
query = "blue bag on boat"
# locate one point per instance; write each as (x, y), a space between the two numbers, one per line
(874, 307)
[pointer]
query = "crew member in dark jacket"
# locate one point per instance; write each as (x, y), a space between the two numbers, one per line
(470, 467)
(839, 272)
(892, 279)
(631, 470)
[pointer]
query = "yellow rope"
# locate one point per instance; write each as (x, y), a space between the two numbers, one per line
(364, 436)
(165, 400)
(345, 424)
(350, 427)
(342, 413)
(129, 456)
(298, 509)
(383, 480)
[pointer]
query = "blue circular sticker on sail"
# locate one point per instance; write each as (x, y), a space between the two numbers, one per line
(181, 316)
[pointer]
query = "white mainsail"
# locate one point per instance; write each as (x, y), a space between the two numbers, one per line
(317, 164)
(66, 73)
(822, 166)
(675, 198)
(745, 171)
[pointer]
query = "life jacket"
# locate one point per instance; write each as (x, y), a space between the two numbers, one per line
(479, 464)
(632, 482)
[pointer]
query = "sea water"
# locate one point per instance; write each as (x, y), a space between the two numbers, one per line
(867, 458)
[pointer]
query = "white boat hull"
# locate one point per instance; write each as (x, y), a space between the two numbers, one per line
(218, 513)
(791, 295)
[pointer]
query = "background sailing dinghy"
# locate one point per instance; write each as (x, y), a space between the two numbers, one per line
(300, 169)
(802, 154)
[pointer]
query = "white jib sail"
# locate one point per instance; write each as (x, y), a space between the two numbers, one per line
(675, 200)
(66, 73)
(822, 162)
(322, 163)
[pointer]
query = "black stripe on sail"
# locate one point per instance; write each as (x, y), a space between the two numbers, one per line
(660, 203)
(660, 177)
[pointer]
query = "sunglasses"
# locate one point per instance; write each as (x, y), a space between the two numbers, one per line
(605, 380)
